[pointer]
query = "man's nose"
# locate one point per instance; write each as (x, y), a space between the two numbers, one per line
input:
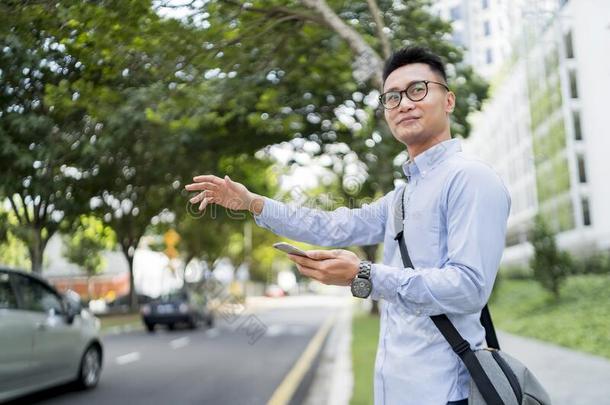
(405, 103)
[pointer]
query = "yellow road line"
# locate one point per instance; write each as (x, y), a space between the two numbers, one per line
(284, 392)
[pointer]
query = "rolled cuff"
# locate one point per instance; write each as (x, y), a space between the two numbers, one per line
(270, 211)
(386, 280)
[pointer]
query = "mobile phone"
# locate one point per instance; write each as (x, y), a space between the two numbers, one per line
(288, 248)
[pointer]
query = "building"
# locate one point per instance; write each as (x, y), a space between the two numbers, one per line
(485, 28)
(545, 128)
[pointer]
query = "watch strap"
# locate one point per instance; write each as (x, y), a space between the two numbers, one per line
(364, 269)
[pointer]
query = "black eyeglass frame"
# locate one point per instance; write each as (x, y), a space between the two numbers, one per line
(400, 92)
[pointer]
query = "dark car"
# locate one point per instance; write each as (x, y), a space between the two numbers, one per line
(178, 307)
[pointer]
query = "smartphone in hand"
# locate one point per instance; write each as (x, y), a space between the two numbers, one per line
(288, 248)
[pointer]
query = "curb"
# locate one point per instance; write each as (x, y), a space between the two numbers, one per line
(293, 380)
(333, 380)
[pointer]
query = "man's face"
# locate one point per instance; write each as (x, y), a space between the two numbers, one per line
(418, 122)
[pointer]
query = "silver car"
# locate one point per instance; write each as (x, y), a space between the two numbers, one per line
(46, 338)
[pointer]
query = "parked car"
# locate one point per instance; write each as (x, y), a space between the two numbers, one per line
(274, 291)
(121, 304)
(178, 307)
(46, 338)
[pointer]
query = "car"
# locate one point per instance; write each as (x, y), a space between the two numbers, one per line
(121, 304)
(274, 291)
(46, 338)
(181, 306)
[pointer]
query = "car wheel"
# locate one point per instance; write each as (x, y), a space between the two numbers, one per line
(90, 368)
(209, 321)
(171, 326)
(150, 327)
(192, 323)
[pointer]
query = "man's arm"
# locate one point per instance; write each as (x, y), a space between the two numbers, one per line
(477, 210)
(341, 227)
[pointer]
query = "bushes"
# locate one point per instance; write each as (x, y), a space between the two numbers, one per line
(597, 263)
(550, 265)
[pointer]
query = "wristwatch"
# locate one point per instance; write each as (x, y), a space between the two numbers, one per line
(361, 284)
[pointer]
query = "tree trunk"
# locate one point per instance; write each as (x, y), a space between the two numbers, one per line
(370, 252)
(133, 298)
(36, 247)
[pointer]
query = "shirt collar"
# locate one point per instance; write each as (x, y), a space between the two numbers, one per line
(428, 160)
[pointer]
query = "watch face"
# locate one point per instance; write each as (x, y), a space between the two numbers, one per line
(361, 287)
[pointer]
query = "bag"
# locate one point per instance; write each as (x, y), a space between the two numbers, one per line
(496, 377)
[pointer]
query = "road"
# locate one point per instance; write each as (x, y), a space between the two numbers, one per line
(242, 360)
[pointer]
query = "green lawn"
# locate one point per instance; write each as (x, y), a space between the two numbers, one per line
(579, 320)
(365, 334)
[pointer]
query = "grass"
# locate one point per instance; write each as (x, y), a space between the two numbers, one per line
(110, 321)
(365, 334)
(580, 319)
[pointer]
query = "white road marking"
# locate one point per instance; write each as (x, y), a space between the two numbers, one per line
(295, 330)
(180, 342)
(128, 358)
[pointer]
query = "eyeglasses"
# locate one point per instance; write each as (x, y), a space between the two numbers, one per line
(416, 91)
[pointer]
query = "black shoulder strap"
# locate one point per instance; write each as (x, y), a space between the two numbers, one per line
(490, 332)
(459, 345)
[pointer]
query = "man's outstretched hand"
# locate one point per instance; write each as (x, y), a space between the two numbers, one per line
(224, 192)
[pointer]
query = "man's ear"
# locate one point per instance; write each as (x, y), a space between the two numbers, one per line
(450, 102)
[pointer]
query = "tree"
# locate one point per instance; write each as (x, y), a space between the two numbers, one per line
(44, 135)
(13, 251)
(551, 266)
(84, 246)
(319, 63)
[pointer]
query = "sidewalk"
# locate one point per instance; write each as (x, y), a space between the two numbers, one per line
(569, 376)
(333, 379)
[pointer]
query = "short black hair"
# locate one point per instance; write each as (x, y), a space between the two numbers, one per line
(414, 54)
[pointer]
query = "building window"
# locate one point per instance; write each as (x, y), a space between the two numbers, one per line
(488, 56)
(569, 45)
(582, 175)
(455, 13)
(573, 85)
(484, 4)
(586, 214)
(486, 29)
(577, 126)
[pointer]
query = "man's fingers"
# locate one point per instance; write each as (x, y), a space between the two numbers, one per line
(209, 178)
(309, 272)
(322, 254)
(304, 261)
(204, 203)
(199, 197)
(201, 186)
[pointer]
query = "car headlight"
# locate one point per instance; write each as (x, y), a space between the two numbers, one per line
(183, 308)
(145, 309)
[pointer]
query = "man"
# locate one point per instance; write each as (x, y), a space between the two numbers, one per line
(455, 212)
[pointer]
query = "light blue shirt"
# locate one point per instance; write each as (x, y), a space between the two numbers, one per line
(456, 209)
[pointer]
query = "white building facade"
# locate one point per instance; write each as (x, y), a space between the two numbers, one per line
(545, 128)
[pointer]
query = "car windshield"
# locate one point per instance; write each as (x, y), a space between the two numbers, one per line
(174, 296)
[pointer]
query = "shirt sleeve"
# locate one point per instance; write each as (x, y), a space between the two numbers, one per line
(338, 228)
(476, 214)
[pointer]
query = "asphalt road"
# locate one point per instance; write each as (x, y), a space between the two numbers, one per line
(240, 361)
